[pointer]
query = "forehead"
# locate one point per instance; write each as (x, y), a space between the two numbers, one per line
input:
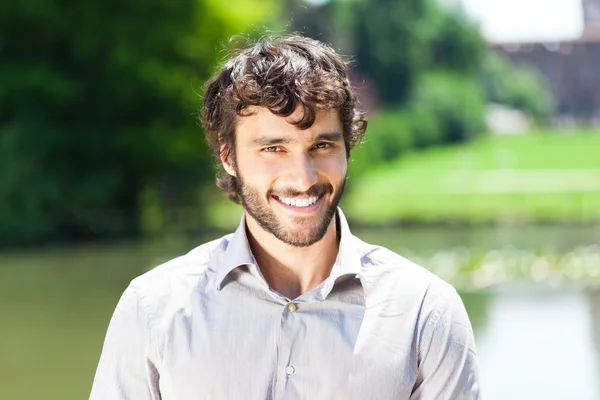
(260, 122)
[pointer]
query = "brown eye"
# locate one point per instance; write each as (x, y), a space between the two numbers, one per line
(322, 145)
(272, 149)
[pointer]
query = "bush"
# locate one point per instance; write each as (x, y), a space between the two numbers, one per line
(456, 102)
(97, 107)
(520, 87)
(445, 108)
(391, 133)
(388, 135)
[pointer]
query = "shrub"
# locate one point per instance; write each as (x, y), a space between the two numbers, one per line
(445, 108)
(456, 102)
(388, 135)
(520, 87)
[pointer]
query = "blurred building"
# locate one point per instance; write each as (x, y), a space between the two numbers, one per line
(572, 67)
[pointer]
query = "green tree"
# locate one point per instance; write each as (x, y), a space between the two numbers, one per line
(391, 44)
(395, 41)
(97, 105)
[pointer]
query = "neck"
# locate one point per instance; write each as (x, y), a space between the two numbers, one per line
(291, 270)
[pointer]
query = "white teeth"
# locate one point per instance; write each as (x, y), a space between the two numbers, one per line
(290, 201)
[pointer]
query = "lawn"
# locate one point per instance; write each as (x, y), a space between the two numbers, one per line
(541, 177)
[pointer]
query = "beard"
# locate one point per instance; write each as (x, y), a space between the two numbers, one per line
(297, 231)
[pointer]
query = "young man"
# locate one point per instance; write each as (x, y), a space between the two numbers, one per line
(290, 306)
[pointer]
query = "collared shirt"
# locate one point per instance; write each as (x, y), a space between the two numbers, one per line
(208, 326)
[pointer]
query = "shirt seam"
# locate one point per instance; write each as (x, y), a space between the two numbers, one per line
(440, 314)
(433, 321)
(142, 306)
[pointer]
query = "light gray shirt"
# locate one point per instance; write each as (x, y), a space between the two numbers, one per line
(207, 326)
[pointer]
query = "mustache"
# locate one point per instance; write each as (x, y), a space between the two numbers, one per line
(315, 190)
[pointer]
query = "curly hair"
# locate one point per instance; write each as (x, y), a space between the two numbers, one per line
(280, 74)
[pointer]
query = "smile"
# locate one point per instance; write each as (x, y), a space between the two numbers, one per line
(306, 202)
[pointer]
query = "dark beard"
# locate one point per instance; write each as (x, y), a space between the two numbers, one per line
(258, 208)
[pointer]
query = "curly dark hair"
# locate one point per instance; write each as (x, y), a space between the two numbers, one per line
(279, 74)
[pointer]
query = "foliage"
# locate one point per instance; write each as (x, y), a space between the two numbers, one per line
(454, 101)
(456, 45)
(388, 135)
(389, 40)
(97, 105)
(432, 70)
(520, 87)
(423, 60)
(444, 108)
(394, 41)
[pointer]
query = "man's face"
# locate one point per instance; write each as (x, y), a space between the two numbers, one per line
(291, 179)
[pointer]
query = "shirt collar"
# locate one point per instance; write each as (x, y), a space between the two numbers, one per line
(348, 261)
(238, 253)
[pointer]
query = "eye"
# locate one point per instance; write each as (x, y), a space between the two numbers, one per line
(271, 149)
(323, 145)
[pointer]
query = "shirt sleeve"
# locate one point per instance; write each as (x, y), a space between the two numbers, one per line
(448, 368)
(125, 371)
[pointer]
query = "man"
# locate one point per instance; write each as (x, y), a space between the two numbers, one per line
(291, 306)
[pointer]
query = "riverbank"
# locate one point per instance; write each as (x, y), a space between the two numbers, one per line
(545, 177)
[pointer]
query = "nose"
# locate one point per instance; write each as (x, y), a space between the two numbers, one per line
(303, 173)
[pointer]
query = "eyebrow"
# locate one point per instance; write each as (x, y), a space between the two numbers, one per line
(267, 141)
(329, 136)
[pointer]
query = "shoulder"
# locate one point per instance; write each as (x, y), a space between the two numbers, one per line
(379, 262)
(394, 276)
(171, 283)
(402, 286)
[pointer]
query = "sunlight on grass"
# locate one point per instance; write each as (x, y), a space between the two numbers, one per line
(548, 177)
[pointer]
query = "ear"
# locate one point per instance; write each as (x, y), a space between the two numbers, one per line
(226, 161)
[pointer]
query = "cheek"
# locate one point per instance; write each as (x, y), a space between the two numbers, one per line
(258, 174)
(334, 167)
(267, 173)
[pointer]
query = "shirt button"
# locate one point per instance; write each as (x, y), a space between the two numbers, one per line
(290, 370)
(292, 307)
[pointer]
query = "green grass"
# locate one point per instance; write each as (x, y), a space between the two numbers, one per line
(538, 177)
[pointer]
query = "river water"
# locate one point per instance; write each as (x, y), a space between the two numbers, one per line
(535, 341)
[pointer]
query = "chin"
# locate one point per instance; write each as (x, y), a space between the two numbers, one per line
(301, 234)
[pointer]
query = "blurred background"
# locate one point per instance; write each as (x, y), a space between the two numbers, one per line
(481, 163)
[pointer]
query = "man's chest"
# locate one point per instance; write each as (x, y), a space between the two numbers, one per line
(265, 350)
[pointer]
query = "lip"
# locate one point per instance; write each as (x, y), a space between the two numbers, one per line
(301, 210)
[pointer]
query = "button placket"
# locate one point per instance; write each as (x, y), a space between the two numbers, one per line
(285, 365)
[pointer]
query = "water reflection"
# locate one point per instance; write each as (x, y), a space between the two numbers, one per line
(537, 345)
(594, 311)
(426, 241)
(477, 305)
